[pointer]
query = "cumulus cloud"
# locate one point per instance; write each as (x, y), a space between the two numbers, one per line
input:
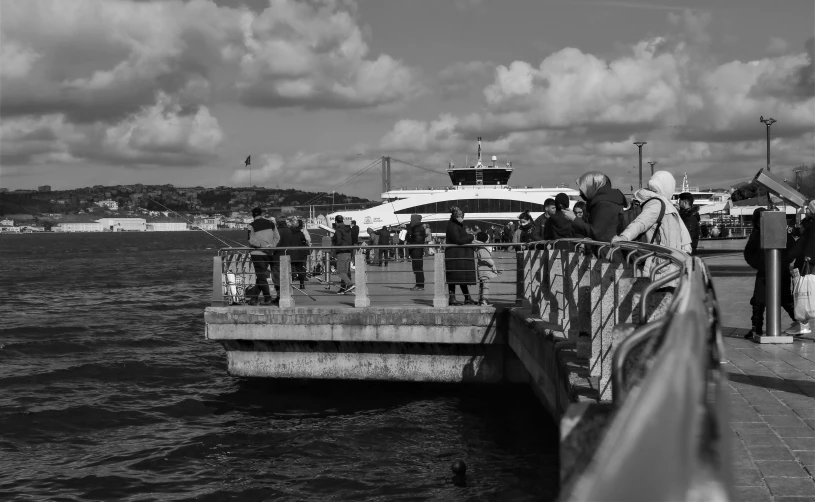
(311, 170)
(463, 78)
(576, 110)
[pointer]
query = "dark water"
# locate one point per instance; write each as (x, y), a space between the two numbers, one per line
(108, 390)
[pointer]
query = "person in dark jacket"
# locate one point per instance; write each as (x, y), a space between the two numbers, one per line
(604, 205)
(416, 236)
(284, 242)
(804, 248)
(559, 225)
(459, 262)
(262, 234)
(354, 233)
(690, 217)
(384, 240)
(754, 256)
(298, 256)
(549, 210)
(373, 239)
(344, 252)
(528, 229)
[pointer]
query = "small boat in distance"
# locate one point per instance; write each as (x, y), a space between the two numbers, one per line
(481, 191)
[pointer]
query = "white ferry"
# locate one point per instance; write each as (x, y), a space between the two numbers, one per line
(700, 198)
(481, 191)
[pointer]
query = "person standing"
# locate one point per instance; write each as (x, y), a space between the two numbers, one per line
(459, 262)
(559, 225)
(549, 210)
(285, 241)
(298, 256)
(384, 240)
(402, 236)
(690, 217)
(342, 241)
(354, 233)
(262, 234)
(487, 270)
(417, 236)
(604, 205)
(373, 238)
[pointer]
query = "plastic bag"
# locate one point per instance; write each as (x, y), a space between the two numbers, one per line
(804, 294)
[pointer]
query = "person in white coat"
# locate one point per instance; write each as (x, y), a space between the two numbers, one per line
(672, 232)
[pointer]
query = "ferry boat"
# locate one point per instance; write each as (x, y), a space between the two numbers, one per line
(700, 198)
(481, 191)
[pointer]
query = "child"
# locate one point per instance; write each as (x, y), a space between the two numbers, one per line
(486, 269)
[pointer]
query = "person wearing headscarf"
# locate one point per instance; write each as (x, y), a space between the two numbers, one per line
(459, 262)
(603, 207)
(671, 232)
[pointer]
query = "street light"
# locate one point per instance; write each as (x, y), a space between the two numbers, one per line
(768, 123)
(639, 145)
(652, 163)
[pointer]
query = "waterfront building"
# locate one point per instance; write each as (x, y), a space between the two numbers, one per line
(110, 204)
(166, 226)
(123, 224)
(85, 226)
(44, 188)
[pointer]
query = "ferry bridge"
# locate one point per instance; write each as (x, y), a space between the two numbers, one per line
(622, 343)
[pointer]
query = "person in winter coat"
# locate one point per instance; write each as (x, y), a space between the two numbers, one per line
(342, 241)
(298, 256)
(509, 231)
(459, 262)
(262, 234)
(603, 207)
(549, 210)
(416, 236)
(354, 233)
(527, 229)
(285, 241)
(384, 240)
(754, 256)
(804, 248)
(559, 225)
(690, 217)
(487, 270)
(374, 240)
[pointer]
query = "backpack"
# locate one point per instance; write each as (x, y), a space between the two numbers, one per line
(626, 217)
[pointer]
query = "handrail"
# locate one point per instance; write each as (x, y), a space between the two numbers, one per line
(621, 353)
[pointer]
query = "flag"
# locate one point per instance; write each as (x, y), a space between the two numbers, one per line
(248, 160)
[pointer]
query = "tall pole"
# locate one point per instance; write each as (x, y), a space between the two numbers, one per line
(768, 122)
(639, 145)
(652, 162)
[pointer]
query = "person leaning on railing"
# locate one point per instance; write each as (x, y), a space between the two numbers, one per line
(262, 234)
(459, 262)
(604, 205)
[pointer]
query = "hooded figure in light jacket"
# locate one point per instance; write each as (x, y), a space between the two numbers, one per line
(672, 232)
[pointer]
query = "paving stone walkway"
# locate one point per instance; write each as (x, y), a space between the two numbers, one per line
(772, 405)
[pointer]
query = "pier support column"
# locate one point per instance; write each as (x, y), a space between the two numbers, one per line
(286, 298)
(217, 283)
(440, 295)
(361, 281)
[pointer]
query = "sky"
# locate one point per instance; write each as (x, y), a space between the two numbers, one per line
(170, 91)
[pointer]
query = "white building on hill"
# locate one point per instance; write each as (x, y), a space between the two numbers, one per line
(88, 226)
(166, 226)
(123, 224)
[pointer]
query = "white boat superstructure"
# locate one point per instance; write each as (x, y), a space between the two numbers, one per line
(701, 198)
(481, 191)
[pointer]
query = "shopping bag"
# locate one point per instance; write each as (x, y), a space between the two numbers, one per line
(804, 294)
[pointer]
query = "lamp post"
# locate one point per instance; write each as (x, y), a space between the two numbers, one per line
(768, 123)
(652, 163)
(639, 145)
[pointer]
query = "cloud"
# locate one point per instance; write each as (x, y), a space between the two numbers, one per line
(160, 134)
(313, 171)
(777, 46)
(462, 79)
(575, 111)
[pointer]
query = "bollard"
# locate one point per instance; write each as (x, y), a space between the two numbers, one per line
(286, 298)
(217, 283)
(360, 281)
(440, 295)
(773, 240)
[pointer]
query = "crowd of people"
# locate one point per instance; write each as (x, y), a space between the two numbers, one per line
(604, 214)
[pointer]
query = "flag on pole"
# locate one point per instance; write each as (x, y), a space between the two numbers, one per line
(248, 160)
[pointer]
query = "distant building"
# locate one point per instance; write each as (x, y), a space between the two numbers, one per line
(9, 229)
(110, 204)
(44, 188)
(78, 227)
(208, 223)
(123, 224)
(8, 223)
(3, 190)
(166, 226)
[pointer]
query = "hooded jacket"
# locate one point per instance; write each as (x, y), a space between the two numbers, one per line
(373, 236)
(416, 235)
(342, 238)
(690, 217)
(672, 232)
(602, 214)
(262, 234)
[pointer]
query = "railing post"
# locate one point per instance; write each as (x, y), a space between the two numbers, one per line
(360, 281)
(520, 269)
(286, 298)
(440, 295)
(217, 282)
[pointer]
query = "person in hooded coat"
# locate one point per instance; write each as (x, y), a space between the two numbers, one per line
(527, 229)
(459, 262)
(298, 256)
(603, 207)
(384, 240)
(416, 236)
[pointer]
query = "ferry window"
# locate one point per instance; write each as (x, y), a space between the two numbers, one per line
(535, 208)
(493, 206)
(464, 205)
(504, 206)
(515, 206)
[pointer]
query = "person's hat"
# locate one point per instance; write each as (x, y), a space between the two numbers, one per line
(257, 211)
